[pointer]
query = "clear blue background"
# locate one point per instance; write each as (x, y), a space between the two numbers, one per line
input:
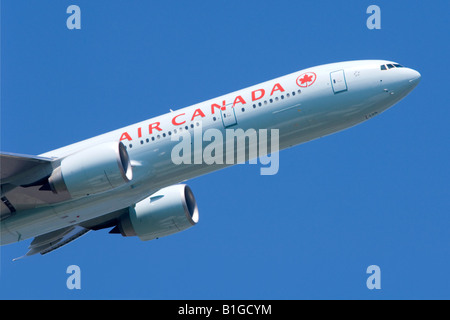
(376, 194)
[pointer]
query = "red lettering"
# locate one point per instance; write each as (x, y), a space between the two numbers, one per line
(126, 136)
(262, 93)
(178, 123)
(154, 126)
(215, 105)
(277, 87)
(239, 99)
(140, 132)
(197, 112)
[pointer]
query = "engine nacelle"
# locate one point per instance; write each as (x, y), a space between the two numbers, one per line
(168, 211)
(96, 169)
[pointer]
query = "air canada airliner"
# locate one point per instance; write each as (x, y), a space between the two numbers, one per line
(131, 180)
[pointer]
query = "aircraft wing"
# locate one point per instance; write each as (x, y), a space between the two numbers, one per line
(14, 165)
(22, 180)
(24, 185)
(54, 240)
(51, 241)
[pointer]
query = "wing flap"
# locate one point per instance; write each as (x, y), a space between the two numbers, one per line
(54, 240)
(51, 241)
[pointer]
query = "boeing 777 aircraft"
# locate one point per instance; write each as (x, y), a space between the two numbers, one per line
(128, 181)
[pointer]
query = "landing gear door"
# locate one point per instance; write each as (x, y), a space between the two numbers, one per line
(338, 81)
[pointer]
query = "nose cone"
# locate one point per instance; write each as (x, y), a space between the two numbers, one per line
(400, 81)
(405, 79)
(414, 77)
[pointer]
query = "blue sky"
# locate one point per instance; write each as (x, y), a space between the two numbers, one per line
(376, 194)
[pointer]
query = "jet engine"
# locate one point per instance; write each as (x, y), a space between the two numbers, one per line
(168, 211)
(96, 169)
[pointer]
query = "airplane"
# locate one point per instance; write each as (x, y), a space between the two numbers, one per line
(127, 181)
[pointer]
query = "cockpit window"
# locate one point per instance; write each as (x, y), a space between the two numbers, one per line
(390, 66)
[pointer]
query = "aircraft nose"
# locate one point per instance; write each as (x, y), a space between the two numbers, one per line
(414, 76)
(404, 80)
(408, 78)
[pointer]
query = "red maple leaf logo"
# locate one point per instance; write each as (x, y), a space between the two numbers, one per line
(306, 79)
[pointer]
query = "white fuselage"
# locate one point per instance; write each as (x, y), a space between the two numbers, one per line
(304, 105)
